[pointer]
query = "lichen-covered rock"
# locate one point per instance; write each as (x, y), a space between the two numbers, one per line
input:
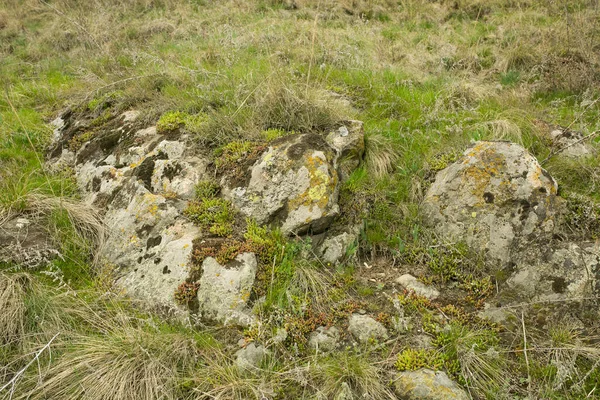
(349, 142)
(426, 384)
(567, 270)
(333, 249)
(225, 290)
(366, 330)
(294, 184)
(26, 243)
(324, 339)
(139, 180)
(409, 282)
(496, 197)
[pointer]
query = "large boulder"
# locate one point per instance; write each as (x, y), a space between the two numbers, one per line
(139, 180)
(426, 384)
(225, 290)
(294, 184)
(496, 197)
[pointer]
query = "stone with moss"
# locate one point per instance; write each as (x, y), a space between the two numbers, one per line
(294, 184)
(425, 384)
(496, 197)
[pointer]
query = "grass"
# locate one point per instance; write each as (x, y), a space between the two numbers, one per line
(427, 78)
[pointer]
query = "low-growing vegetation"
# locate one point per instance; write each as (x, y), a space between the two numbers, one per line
(427, 78)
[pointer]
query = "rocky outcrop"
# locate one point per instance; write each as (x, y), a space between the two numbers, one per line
(499, 200)
(140, 181)
(225, 290)
(496, 197)
(426, 384)
(26, 243)
(295, 183)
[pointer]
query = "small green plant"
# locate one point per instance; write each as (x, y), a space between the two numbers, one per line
(171, 121)
(440, 161)
(412, 360)
(186, 292)
(272, 134)
(206, 189)
(215, 214)
(231, 153)
(79, 140)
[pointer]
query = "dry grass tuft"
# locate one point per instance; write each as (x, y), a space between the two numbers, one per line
(380, 155)
(12, 304)
(128, 363)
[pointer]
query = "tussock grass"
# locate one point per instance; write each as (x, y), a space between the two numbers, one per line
(12, 304)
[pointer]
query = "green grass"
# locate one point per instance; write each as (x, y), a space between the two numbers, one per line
(426, 78)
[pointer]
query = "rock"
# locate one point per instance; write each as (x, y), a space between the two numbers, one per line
(26, 243)
(566, 143)
(225, 290)
(426, 384)
(409, 282)
(349, 142)
(139, 181)
(566, 271)
(324, 339)
(334, 248)
(294, 184)
(496, 197)
(250, 357)
(365, 329)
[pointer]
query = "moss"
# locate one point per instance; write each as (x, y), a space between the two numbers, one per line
(440, 161)
(270, 135)
(232, 153)
(79, 140)
(215, 214)
(171, 121)
(207, 189)
(414, 359)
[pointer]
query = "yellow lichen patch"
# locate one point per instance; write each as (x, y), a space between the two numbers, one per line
(322, 185)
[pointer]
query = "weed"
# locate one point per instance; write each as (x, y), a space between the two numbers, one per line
(414, 359)
(186, 293)
(215, 214)
(207, 189)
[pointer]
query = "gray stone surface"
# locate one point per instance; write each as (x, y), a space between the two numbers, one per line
(293, 184)
(225, 290)
(496, 197)
(324, 339)
(334, 248)
(139, 181)
(349, 142)
(250, 357)
(426, 384)
(366, 330)
(409, 282)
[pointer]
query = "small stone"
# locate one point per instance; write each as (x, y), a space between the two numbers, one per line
(334, 248)
(366, 330)
(324, 339)
(409, 282)
(426, 384)
(251, 356)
